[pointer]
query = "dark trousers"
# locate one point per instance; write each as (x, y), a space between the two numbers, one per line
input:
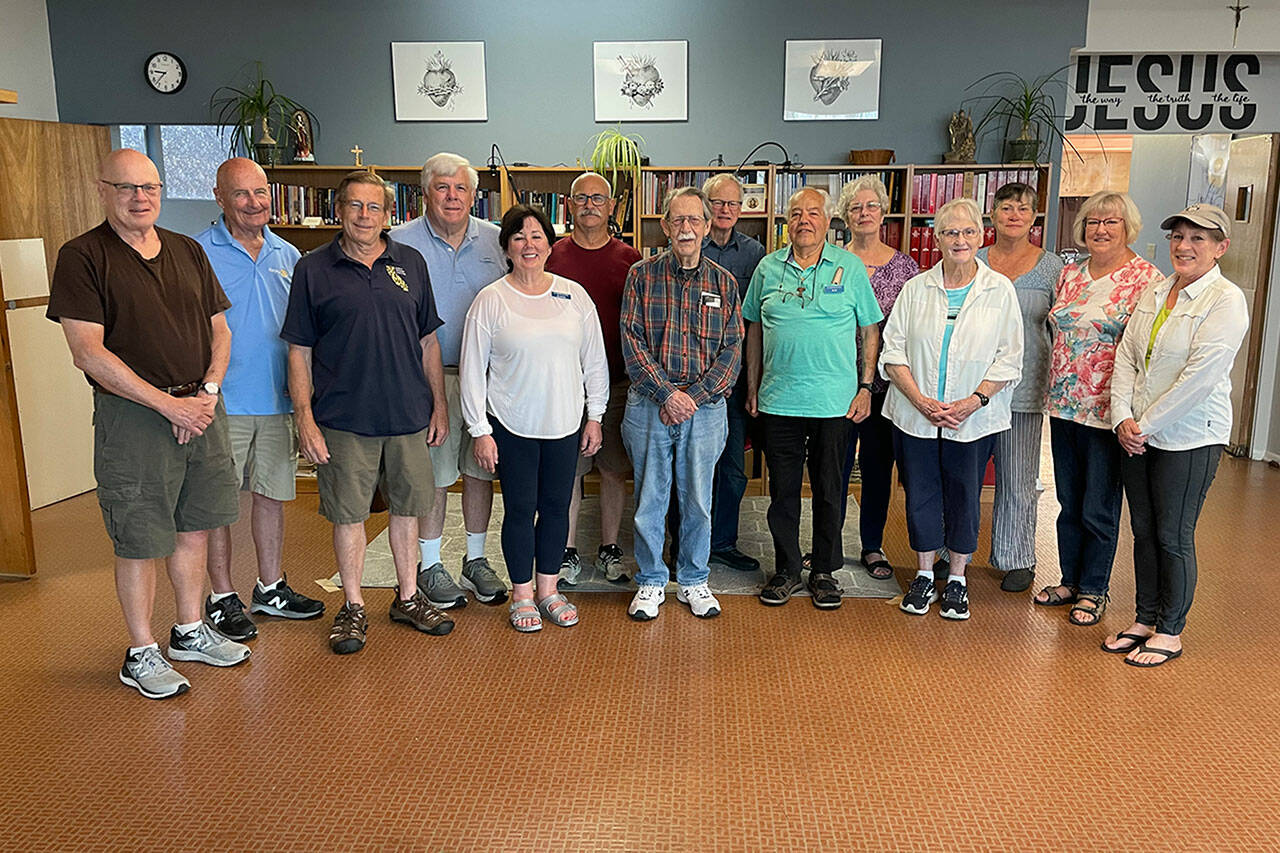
(943, 482)
(1166, 490)
(790, 441)
(1086, 470)
(537, 476)
(730, 482)
(871, 444)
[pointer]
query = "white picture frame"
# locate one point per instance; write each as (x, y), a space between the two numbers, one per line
(439, 80)
(641, 80)
(831, 80)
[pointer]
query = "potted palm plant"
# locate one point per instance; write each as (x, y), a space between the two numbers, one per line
(1026, 111)
(252, 112)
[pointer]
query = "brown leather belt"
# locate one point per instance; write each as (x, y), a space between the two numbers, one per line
(183, 390)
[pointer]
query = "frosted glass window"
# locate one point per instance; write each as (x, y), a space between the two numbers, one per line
(192, 154)
(134, 136)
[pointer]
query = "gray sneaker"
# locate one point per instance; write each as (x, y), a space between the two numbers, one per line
(570, 567)
(434, 582)
(206, 646)
(479, 577)
(152, 675)
(609, 564)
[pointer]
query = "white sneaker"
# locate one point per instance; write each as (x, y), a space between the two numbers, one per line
(700, 600)
(206, 646)
(152, 675)
(644, 605)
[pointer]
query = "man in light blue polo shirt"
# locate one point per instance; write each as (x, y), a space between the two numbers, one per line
(808, 304)
(255, 268)
(463, 256)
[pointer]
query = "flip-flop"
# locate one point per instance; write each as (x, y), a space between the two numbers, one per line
(880, 569)
(1138, 639)
(1144, 648)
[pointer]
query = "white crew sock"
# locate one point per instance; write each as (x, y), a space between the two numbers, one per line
(430, 550)
(134, 651)
(958, 578)
(267, 587)
(215, 597)
(189, 627)
(925, 573)
(475, 544)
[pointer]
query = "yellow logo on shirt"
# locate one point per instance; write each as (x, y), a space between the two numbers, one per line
(395, 276)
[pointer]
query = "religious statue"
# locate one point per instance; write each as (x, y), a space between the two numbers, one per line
(303, 137)
(963, 147)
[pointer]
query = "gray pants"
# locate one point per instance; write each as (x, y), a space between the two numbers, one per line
(1013, 518)
(1166, 489)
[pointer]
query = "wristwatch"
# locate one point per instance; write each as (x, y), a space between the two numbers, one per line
(864, 386)
(212, 388)
(983, 399)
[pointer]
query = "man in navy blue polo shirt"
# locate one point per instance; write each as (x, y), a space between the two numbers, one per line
(364, 374)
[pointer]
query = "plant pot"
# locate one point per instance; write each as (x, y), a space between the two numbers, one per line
(1021, 150)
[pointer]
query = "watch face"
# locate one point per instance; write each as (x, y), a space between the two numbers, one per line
(165, 73)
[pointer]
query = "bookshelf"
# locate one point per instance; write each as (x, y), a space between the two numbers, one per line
(298, 191)
(655, 181)
(548, 187)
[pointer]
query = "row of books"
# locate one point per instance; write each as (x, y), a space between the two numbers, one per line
(925, 250)
(932, 190)
(655, 185)
(833, 182)
(890, 234)
(291, 204)
(556, 206)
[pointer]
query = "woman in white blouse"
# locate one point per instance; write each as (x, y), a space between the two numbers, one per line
(952, 349)
(1171, 405)
(532, 356)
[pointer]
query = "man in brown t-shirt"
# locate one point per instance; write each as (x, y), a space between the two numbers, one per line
(599, 262)
(143, 315)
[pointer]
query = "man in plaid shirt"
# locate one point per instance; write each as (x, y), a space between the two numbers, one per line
(681, 339)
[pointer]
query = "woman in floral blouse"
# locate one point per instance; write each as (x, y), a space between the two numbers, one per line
(1095, 297)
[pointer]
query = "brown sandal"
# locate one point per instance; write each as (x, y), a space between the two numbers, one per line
(1053, 598)
(1091, 615)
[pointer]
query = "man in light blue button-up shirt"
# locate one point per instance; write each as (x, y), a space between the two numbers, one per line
(463, 256)
(255, 268)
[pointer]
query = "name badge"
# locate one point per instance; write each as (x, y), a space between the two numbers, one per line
(709, 299)
(558, 295)
(833, 288)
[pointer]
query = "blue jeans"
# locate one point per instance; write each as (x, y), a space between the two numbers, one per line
(689, 451)
(1086, 471)
(731, 475)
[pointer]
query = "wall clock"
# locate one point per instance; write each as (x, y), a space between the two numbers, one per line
(165, 72)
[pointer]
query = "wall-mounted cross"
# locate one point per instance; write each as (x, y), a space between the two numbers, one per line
(357, 150)
(1237, 9)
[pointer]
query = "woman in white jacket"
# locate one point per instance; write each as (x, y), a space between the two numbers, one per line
(953, 350)
(1171, 406)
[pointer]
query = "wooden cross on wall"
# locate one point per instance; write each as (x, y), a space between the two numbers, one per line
(1238, 10)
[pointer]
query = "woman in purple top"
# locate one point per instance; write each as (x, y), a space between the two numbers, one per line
(863, 204)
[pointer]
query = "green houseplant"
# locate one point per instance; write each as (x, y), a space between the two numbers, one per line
(1026, 111)
(614, 151)
(252, 111)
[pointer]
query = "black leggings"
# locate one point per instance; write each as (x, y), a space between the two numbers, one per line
(1166, 490)
(537, 476)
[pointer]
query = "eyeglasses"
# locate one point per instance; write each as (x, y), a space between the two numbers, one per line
(372, 207)
(954, 233)
(1100, 223)
(595, 199)
(722, 204)
(869, 207)
(679, 221)
(124, 189)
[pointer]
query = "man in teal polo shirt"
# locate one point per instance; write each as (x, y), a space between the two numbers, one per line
(255, 268)
(807, 305)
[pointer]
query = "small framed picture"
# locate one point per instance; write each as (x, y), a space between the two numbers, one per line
(832, 80)
(641, 80)
(439, 80)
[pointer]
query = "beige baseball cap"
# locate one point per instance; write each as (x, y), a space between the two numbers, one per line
(1204, 215)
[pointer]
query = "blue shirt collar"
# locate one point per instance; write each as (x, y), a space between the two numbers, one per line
(473, 230)
(221, 236)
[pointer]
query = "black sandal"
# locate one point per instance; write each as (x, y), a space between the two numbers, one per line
(1090, 615)
(880, 569)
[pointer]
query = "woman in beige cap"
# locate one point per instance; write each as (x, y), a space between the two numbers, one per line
(1171, 410)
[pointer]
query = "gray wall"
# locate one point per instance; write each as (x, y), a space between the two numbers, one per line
(335, 58)
(26, 65)
(1158, 175)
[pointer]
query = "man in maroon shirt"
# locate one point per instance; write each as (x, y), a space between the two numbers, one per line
(599, 263)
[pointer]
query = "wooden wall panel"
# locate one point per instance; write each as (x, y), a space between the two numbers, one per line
(47, 175)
